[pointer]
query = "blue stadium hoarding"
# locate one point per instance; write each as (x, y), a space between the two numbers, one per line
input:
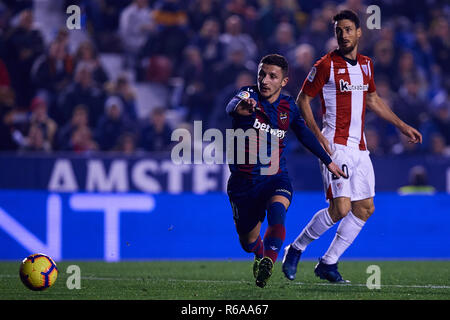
(156, 173)
(134, 226)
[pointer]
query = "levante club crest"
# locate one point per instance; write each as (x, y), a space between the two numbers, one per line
(283, 117)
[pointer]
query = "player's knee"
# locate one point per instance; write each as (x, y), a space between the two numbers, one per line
(247, 243)
(337, 212)
(364, 213)
(368, 212)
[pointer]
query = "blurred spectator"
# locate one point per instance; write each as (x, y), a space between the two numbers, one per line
(234, 64)
(384, 63)
(234, 37)
(423, 53)
(246, 9)
(7, 97)
(104, 16)
(24, 45)
(410, 106)
(135, 26)
(208, 42)
(418, 182)
(407, 69)
(299, 68)
(200, 11)
(211, 46)
(172, 35)
(126, 143)
(83, 91)
(284, 41)
(158, 68)
(111, 125)
(156, 133)
(438, 147)
(125, 91)
(80, 118)
(316, 34)
(438, 123)
(88, 56)
(10, 137)
(195, 97)
(54, 70)
(270, 15)
(35, 140)
(440, 42)
(81, 140)
(39, 117)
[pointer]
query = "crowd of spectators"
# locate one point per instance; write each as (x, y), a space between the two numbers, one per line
(52, 99)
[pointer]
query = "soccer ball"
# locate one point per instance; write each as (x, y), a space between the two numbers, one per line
(38, 272)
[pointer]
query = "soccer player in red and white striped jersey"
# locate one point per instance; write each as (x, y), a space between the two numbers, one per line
(344, 80)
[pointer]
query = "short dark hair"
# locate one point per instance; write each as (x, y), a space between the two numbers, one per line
(349, 15)
(276, 60)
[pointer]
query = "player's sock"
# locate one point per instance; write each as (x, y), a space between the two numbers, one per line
(347, 231)
(256, 247)
(319, 223)
(276, 232)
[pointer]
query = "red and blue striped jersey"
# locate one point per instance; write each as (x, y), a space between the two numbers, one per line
(268, 123)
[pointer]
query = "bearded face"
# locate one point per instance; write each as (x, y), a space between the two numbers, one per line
(347, 35)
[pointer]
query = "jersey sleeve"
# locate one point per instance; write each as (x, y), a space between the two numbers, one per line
(243, 93)
(372, 87)
(317, 77)
(306, 137)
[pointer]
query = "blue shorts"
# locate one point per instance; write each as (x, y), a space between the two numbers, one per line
(249, 197)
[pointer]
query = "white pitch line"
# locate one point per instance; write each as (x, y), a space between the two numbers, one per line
(429, 286)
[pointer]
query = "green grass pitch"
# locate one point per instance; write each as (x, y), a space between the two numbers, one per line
(233, 280)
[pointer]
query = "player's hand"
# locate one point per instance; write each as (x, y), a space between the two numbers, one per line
(413, 135)
(334, 169)
(246, 107)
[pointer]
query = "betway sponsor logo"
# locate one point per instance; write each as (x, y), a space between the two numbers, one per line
(265, 127)
(345, 86)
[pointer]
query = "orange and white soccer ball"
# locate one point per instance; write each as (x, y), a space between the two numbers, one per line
(38, 272)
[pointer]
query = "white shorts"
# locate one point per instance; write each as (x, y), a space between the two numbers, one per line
(356, 163)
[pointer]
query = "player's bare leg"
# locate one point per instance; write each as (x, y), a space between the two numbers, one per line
(252, 242)
(363, 209)
(339, 208)
(273, 238)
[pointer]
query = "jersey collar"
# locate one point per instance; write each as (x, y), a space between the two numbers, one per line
(266, 103)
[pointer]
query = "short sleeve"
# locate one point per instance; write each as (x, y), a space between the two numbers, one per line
(317, 77)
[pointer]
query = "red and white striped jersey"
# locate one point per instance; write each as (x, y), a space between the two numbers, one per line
(343, 87)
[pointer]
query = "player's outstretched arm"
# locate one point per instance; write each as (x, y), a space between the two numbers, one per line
(304, 103)
(377, 105)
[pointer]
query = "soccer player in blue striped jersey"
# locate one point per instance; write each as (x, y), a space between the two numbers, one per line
(256, 185)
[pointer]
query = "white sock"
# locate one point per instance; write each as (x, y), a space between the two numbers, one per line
(319, 223)
(347, 231)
